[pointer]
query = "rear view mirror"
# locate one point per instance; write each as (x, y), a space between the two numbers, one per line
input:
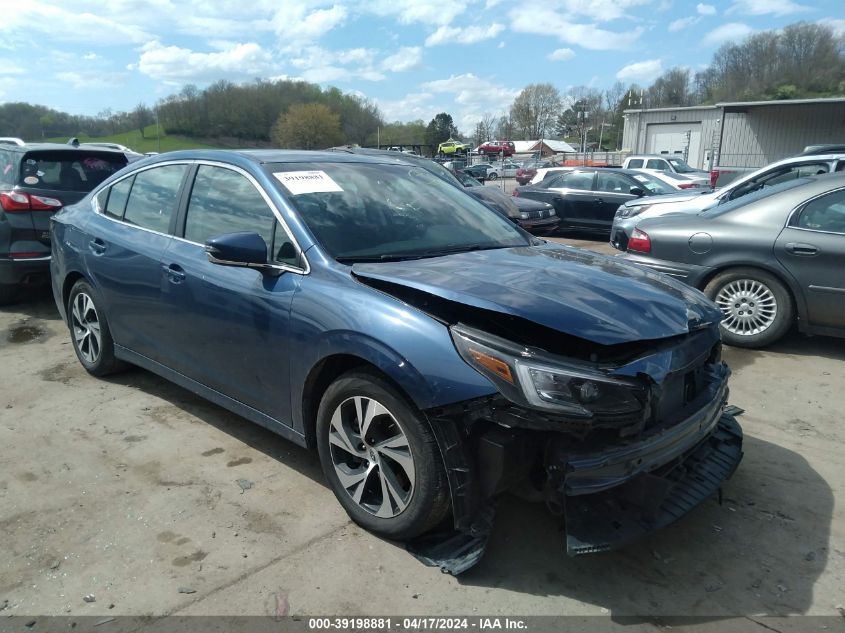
(237, 249)
(637, 191)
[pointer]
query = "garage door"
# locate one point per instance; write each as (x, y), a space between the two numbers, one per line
(671, 138)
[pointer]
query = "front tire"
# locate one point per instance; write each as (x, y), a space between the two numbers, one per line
(380, 457)
(492, 176)
(758, 308)
(89, 331)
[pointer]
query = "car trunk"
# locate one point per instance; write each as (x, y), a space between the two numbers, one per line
(49, 180)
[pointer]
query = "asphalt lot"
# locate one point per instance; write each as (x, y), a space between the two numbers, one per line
(127, 489)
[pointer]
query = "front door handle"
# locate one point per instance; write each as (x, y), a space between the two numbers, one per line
(805, 250)
(97, 246)
(599, 200)
(175, 273)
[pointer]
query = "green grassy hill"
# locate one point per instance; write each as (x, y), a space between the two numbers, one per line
(149, 143)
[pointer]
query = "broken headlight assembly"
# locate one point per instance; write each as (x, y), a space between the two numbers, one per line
(534, 379)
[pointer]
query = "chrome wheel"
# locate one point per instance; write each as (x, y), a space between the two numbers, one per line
(749, 307)
(86, 328)
(371, 456)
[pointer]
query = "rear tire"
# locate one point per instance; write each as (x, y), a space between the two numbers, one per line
(89, 331)
(758, 308)
(389, 478)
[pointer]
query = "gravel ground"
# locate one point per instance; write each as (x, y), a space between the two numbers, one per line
(126, 490)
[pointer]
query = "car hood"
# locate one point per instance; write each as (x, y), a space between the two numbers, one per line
(590, 296)
(695, 197)
(496, 199)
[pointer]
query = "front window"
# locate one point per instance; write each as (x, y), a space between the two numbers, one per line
(381, 212)
(653, 185)
(680, 166)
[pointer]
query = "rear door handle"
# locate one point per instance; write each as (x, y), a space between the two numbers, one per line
(797, 248)
(97, 246)
(175, 273)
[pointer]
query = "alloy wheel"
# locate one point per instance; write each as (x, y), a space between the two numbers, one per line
(749, 307)
(86, 327)
(372, 457)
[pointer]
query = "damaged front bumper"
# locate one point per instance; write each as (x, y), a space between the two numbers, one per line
(608, 493)
(652, 500)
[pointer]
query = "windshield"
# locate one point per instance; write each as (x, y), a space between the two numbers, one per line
(386, 212)
(727, 207)
(652, 185)
(680, 166)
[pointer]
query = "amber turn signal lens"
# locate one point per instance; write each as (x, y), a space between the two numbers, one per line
(498, 367)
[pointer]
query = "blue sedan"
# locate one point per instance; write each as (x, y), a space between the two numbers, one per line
(433, 353)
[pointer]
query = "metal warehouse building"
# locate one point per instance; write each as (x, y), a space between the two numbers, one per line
(742, 134)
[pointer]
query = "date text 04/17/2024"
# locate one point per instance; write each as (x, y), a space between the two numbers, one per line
(416, 624)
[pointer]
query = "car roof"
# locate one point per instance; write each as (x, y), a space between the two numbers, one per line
(664, 156)
(264, 156)
(61, 147)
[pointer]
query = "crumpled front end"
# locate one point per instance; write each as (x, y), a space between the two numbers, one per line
(619, 445)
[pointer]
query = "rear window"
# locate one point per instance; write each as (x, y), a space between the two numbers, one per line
(68, 170)
(7, 168)
(730, 205)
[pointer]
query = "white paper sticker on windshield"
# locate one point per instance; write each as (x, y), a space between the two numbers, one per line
(298, 182)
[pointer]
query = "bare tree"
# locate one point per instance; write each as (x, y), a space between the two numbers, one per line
(535, 110)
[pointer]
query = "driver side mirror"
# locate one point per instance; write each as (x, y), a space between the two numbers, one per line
(248, 250)
(637, 191)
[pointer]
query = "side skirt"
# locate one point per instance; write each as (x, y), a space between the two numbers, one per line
(239, 408)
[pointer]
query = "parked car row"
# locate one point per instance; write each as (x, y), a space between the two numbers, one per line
(768, 248)
(430, 350)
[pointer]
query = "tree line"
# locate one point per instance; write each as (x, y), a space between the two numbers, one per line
(801, 60)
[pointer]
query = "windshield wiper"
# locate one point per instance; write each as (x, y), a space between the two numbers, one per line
(399, 257)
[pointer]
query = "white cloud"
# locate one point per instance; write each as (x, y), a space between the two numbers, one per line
(406, 58)
(644, 71)
(544, 20)
(767, 7)
(8, 67)
(705, 9)
(440, 12)
(87, 79)
(682, 23)
(837, 25)
(466, 35)
(63, 25)
(320, 65)
(90, 56)
(410, 108)
(472, 96)
(294, 22)
(730, 32)
(501, 44)
(172, 63)
(561, 54)
(598, 10)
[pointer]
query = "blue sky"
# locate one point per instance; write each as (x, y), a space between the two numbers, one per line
(414, 58)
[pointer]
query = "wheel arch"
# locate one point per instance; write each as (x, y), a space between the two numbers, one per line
(323, 374)
(67, 285)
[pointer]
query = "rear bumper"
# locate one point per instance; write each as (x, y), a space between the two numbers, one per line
(690, 274)
(15, 272)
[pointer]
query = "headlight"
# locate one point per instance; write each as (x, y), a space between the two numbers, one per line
(629, 212)
(552, 212)
(523, 216)
(538, 380)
